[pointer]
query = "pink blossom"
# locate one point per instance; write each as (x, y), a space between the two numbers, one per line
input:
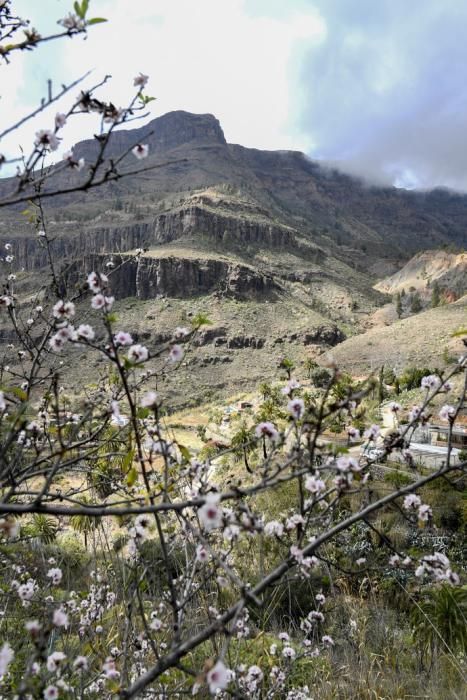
(81, 663)
(181, 332)
(346, 464)
(353, 433)
(75, 164)
(99, 301)
(424, 513)
(289, 652)
(123, 338)
(57, 342)
(5, 300)
(33, 627)
(291, 385)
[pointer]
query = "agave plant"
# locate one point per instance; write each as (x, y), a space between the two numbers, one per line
(439, 620)
(44, 529)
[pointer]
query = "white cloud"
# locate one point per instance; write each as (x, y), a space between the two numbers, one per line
(204, 56)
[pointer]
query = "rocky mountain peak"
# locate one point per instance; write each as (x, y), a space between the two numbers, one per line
(162, 134)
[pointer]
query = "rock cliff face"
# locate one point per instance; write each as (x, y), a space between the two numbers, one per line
(162, 134)
(448, 270)
(169, 226)
(32, 253)
(178, 277)
(197, 219)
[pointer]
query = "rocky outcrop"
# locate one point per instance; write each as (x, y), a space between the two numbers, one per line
(325, 335)
(151, 277)
(239, 342)
(223, 228)
(162, 134)
(211, 335)
(448, 270)
(320, 335)
(31, 253)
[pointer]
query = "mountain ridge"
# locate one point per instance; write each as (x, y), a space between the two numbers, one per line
(279, 251)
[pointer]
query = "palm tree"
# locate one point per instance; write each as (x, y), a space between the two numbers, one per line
(84, 523)
(242, 445)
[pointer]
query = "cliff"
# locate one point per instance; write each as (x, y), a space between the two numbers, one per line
(150, 277)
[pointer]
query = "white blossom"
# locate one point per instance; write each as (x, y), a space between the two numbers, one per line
(85, 332)
(150, 399)
(123, 338)
(51, 692)
(46, 140)
(314, 485)
(140, 151)
(138, 353)
(218, 677)
(60, 618)
(267, 429)
(6, 657)
(210, 514)
(64, 309)
(273, 527)
(60, 120)
(55, 575)
(431, 381)
(411, 502)
(296, 408)
(176, 353)
(140, 80)
(54, 660)
(447, 412)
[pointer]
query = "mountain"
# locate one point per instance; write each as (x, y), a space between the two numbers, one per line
(447, 270)
(422, 340)
(282, 252)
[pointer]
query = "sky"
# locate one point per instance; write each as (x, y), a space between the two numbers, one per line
(376, 87)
